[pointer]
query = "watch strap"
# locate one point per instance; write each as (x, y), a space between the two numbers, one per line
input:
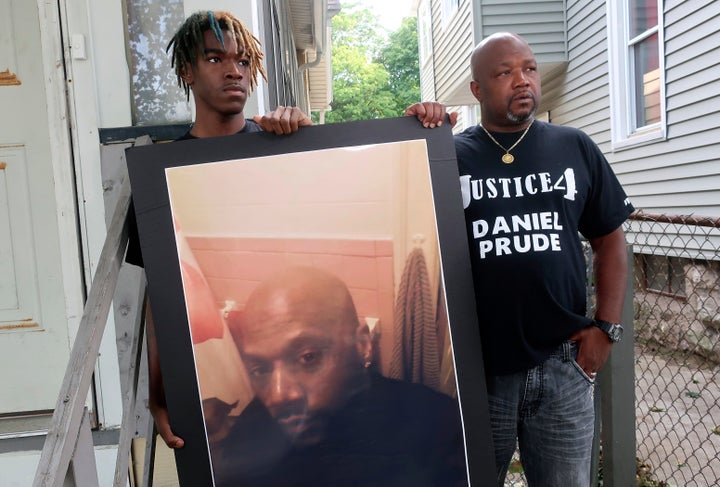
(613, 330)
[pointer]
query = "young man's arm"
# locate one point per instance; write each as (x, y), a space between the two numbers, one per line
(156, 392)
(610, 268)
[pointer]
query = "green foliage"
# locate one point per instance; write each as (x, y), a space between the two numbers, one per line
(373, 76)
(515, 467)
(356, 27)
(400, 58)
(646, 478)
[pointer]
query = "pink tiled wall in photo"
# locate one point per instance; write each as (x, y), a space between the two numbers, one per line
(234, 266)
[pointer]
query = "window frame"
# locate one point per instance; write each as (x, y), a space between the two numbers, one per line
(622, 78)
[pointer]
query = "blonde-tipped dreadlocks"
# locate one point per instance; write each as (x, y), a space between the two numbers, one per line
(187, 43)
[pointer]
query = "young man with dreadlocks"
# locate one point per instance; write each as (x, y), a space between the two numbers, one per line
(217, 59)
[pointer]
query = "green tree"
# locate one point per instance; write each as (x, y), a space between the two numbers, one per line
(356, 27)
(372, 76)
(361, 89)
(400, 58)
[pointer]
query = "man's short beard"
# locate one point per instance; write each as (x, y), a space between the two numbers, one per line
(518, 119)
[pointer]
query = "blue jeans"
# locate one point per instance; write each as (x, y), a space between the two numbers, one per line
(549, 411)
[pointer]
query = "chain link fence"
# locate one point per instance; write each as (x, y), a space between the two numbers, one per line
(676, 296)
(677, 348)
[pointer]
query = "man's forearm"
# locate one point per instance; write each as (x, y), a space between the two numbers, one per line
(611, 270)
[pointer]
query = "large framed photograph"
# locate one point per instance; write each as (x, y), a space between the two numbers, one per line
(313, 306)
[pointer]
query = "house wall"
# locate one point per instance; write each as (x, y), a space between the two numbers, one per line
(452, 45)
(682, 174)
(679, 175)
(579, 97)
(542, 22)
(319, 83)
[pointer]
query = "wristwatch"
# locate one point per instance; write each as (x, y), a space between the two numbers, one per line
(614, 330)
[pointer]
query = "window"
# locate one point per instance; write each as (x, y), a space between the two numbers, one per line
(469, 115)
(157, 99)
(665, 274)
(637, 77)
(645, 62)
(280, 57)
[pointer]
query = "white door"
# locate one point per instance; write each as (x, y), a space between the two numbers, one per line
(36, 222)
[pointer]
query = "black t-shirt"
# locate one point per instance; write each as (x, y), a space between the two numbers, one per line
(134, 253)
(522, 223)
(394, 434)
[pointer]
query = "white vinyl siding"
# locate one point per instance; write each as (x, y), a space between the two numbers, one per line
(451, 56)
(679, 175)
(579, 98)
(319, 83)
(540, 22)
(682, 174)
(449, 8)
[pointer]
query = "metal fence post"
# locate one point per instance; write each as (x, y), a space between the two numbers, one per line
(617, 392)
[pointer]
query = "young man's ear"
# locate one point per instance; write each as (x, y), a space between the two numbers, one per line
(186, 73)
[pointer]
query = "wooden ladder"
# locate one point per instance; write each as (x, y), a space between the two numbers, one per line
(69, 444)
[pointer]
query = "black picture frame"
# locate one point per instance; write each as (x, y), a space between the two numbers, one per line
(147, 166)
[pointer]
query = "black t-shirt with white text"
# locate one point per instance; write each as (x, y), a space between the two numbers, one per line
(522, 223)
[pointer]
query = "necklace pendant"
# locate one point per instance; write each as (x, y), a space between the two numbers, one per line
(508, 158)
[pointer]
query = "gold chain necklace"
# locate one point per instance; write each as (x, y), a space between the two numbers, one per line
(508, 158)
